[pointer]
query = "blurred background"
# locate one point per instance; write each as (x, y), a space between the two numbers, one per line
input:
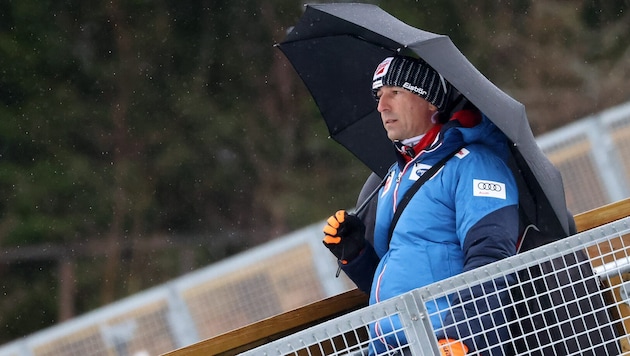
(143, 140)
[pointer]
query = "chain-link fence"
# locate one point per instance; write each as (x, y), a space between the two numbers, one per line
(296, 270)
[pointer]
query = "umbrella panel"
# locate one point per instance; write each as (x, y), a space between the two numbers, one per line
(369, 143)
(342, 89)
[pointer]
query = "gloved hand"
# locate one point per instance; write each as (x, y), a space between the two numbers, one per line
(344, 236)
(452, 347)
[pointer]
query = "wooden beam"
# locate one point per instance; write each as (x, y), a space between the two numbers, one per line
(602, 215)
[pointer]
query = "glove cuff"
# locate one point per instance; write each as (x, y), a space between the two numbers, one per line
(349, 259)
(452, 347)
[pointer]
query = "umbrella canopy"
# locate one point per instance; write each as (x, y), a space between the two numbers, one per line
(335, 49)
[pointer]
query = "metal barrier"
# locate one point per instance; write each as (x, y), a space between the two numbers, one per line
(562, 302)
(258, 284)
(590, 156)
(281, 275)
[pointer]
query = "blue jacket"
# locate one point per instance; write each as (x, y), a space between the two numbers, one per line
(464, 217)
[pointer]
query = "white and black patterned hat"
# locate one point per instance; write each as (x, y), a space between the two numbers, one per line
(415, 75)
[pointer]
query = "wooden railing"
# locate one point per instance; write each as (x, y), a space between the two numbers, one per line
(253, 335)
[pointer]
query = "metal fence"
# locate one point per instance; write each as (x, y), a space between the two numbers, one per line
(566, 298)
(284, 274)
(593, 156)
(258, 283)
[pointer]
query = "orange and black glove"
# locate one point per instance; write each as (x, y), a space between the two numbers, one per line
(344, 235)
(452, 347)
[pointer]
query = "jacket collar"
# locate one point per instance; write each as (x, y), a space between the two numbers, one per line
(433, 138)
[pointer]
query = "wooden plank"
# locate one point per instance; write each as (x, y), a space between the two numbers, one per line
(602, 215)
(273, 328)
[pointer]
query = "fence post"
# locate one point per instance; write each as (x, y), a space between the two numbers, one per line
(179, 319)
(606, 159)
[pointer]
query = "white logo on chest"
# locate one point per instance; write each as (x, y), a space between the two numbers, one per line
(488, 188)
(417, 170)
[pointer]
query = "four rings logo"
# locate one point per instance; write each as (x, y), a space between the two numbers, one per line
(488, 188)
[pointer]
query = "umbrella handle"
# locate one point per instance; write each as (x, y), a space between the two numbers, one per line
(362, 207)
(367, 200)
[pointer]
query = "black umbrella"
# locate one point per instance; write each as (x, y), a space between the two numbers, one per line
(335, 49)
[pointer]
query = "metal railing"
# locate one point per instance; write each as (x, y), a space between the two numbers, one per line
(593, 156)
(561, 302)
(240, 290)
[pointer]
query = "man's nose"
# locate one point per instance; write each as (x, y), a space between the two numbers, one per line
(382, 104)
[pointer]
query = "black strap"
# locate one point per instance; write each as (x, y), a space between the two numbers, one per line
(414, 188)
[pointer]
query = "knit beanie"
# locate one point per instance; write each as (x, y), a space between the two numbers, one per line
(414, 75)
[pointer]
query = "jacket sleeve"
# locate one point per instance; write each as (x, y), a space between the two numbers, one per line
(361, 269)
(491, 239)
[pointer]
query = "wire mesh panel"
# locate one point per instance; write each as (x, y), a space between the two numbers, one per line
(554, 306)
(582, 182)
(254, 292)
(564, 298)
(141, 331)
(86, 341)
(590, 156)
(350, 334)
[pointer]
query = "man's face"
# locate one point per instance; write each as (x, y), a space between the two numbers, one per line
(404, 114)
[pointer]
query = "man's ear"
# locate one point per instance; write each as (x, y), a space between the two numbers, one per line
(433, 107)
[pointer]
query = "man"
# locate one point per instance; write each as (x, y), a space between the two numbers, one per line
(463, 217)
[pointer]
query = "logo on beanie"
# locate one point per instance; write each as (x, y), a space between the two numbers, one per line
(415, 89)
(379, 73)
